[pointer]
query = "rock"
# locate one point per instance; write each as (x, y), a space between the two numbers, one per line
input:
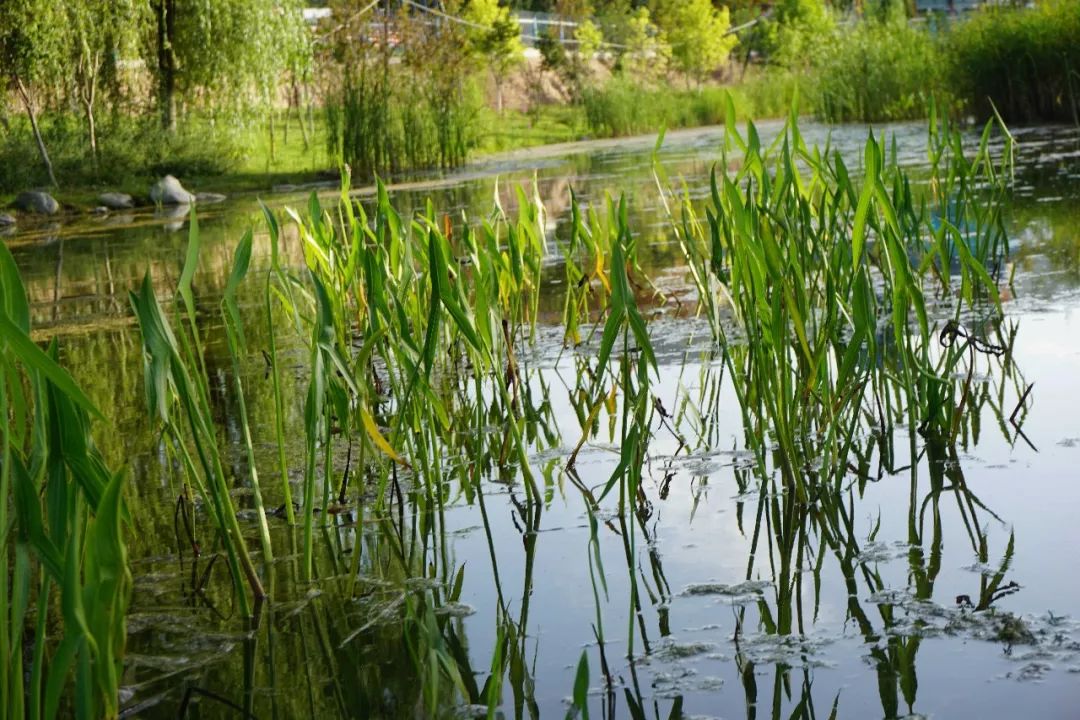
(36, 201)
(116, 200)
(206, 198)
(169, 191)
(100, 210)
(6, 220)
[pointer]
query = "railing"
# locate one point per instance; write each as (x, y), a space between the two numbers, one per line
(948, 6)
(535, 25)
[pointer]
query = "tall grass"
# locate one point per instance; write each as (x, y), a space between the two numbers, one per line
(812, 264)
(1023, 61)
(178, 399)
(879, 71)
(624, 106)
(391, 122)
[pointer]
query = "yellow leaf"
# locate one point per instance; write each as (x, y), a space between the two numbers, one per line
(378, 439)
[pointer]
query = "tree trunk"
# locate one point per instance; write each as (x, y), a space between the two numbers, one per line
(271, 113)
(166, 35)
(92, 129)
(37, 131)
(89, 72)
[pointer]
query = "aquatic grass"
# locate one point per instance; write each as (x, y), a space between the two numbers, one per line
(234, 334)
(826, 292)
(278, 285)
(65, 538)
(812, 265)
(177, 395)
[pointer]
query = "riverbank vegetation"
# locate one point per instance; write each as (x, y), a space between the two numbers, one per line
(400, 352)
(247, 94)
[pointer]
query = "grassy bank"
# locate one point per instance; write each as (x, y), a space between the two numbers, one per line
(244, 161)
(1024, 62)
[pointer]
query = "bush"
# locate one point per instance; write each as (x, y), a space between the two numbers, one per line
(1025, 61)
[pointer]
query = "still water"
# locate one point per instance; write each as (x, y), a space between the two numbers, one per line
(887, 608)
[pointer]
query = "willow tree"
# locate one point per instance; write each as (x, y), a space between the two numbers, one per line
(100, 33)
(32, 48)
(229, 54)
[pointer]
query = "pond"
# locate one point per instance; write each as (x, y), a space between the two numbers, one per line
(947, 590)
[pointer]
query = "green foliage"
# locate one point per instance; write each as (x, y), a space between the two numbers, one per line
(797, 33)
(589, 38)
(230, 55)
(1026, 62)
(879, 71)
(697, 32)
(499, 44)
(624, 107)
(65, 538)
(33, 40)
(645, 54)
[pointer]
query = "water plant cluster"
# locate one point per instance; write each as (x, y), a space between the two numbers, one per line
(840, 309)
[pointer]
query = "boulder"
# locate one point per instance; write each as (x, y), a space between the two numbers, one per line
(6, 220)
(116, 200)
(38, 202)
(206, 198)
(169, 191)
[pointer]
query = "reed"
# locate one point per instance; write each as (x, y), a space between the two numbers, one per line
(814, 268)
(177, 393)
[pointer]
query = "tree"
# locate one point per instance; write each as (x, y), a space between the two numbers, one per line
(499, 43)
(229, 53)
(647, 52)
(31, 52)
(100, 32)
(798, 33)
(589, 39)
(698, 35)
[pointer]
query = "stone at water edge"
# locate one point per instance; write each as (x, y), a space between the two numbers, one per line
(116, 200)
(38, 202)
(169, 191)
(6, 220)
